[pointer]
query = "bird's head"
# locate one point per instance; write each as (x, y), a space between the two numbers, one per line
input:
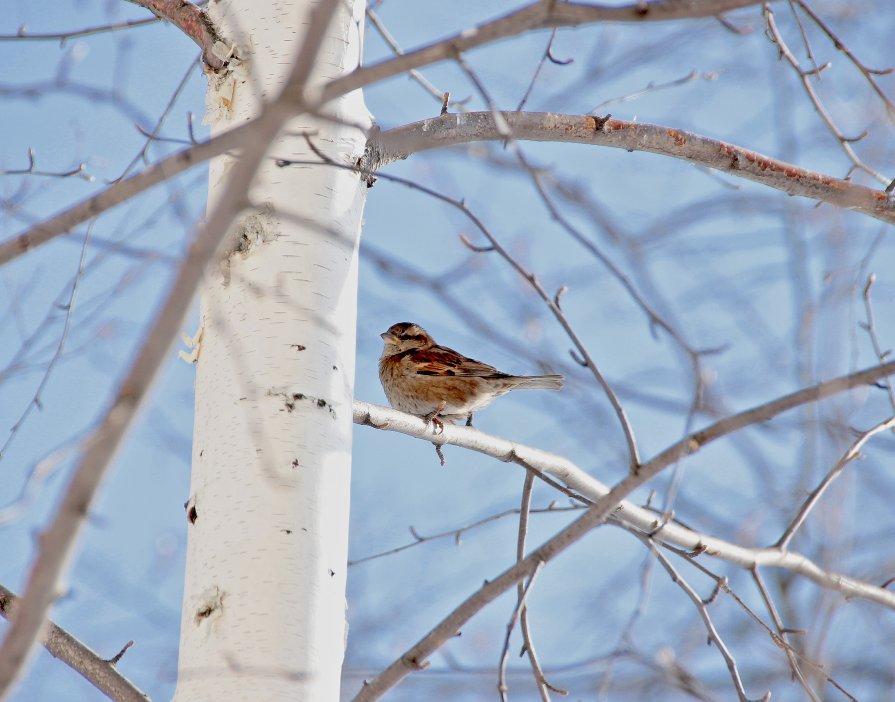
(405, 336)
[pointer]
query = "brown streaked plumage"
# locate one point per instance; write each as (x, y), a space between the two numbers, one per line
(433, 381)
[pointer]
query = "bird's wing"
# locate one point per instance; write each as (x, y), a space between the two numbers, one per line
(440, 360)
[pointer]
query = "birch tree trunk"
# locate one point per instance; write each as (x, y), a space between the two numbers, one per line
(264, 599)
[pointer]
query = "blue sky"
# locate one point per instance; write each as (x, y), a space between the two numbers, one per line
(772, 283)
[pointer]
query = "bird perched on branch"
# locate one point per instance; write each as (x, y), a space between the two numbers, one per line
(436, 382)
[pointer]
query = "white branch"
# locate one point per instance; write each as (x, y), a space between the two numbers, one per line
(628, 513)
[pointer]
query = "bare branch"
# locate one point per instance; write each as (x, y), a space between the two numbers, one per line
(193, 22)
(528, 646)
(645, 520)
(626, 135)
(535, 15)
(521, 610)
(851, 454)
(520, 606)
(24, 35)
(441, 96)
(868, 73)
(98, 671)
(126, 189)
(804, 76)
(870, 327)
(702, 608)
(782, 634)
(454, 129)
(609, 504)
(457, 533)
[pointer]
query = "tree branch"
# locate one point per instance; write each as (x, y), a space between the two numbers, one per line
(644, 520)
(192, 21)
(610, 503)
(535, 15)
(817, 186)
(101, 673)
(122, 191)
(853, 452)
(702, 607)
(453, 129)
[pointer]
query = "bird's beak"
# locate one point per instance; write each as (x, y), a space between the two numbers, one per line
(389, 338)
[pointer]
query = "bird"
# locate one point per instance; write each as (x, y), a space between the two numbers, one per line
(436, 382)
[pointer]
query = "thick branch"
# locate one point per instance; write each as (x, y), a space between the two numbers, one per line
(192, 21)
(100, 672)
(453, 129)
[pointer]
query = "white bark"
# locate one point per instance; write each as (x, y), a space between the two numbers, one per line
(264, 598)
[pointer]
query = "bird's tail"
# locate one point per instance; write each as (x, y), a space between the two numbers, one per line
(539, 382)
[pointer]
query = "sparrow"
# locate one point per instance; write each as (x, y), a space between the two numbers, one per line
(436, 382)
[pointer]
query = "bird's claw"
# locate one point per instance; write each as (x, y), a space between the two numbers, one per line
(433, 417)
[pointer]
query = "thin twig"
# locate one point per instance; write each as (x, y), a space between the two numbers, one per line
(520, 589)
(650, 88)
(153, 135)
(520, 603)
(868, 73)
(506, 133)
(791, 655)
(32, 170)
(844, 141)
(702, 608)
(457, 533)
(547, 55)
(62, 37)
(870, 327)
(35, 401)
(851, 454)
(626, 637)
(427, 85)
